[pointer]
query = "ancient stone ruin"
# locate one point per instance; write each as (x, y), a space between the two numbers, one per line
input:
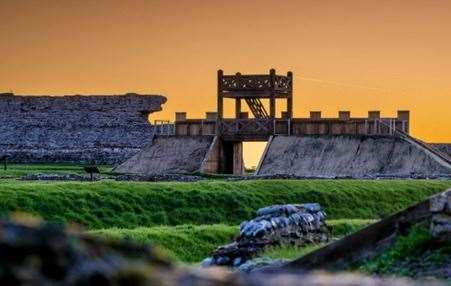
(116, 130)
(83, 129)
(291, 224)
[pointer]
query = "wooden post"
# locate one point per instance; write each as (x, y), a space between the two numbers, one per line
(272, 98)
(238, 100)
(238, 165)
(290, 96)
(220, 105)
(237, 107)
(220, 96)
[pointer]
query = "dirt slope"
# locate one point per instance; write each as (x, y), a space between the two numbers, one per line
(353, 156)
(168, 155)
(443, 147)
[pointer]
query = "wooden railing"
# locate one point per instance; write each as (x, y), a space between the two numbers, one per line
(246, 126)
(255, 83)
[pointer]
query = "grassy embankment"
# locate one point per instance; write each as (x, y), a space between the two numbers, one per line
(107, 203)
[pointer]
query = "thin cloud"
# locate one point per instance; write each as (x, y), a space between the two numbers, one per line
(341, 84)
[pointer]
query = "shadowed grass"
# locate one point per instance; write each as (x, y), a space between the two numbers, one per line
(192, 243)
(290, 252)
(338, 228)
(343, 227)
(414, 255)
(186, 243)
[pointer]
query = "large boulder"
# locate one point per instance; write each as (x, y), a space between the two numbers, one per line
(291, 224)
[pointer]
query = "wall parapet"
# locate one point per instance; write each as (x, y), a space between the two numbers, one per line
(259, 129)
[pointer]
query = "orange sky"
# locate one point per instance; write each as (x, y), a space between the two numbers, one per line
(349, 54)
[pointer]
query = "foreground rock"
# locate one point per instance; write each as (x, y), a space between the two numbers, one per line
(43, 254)
(275, 225)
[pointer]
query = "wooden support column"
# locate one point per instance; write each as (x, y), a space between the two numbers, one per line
(220, 103)
(238, 100)
(237, 107)
(272, 98)
(290, 96)
(238, 165)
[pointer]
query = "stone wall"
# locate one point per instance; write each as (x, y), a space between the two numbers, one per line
(101, 129)
(276, 225)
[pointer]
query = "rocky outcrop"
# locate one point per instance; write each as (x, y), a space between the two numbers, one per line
(349, 156)
(82, 129)
(298, 224)
(171, 154)
(42, 254)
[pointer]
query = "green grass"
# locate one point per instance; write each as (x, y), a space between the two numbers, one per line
(343, 227)
(19, 170)
(185, 243)
(338, 228)
(412, 255)
(192, 243)
(290, 252)
(108, 203)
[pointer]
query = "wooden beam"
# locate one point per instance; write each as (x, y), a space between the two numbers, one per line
(290, 96)
(220, 103)
(237, 107)
(238, 100)
(272, 99)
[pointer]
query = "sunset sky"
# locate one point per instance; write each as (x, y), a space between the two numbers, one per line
(346, 55)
